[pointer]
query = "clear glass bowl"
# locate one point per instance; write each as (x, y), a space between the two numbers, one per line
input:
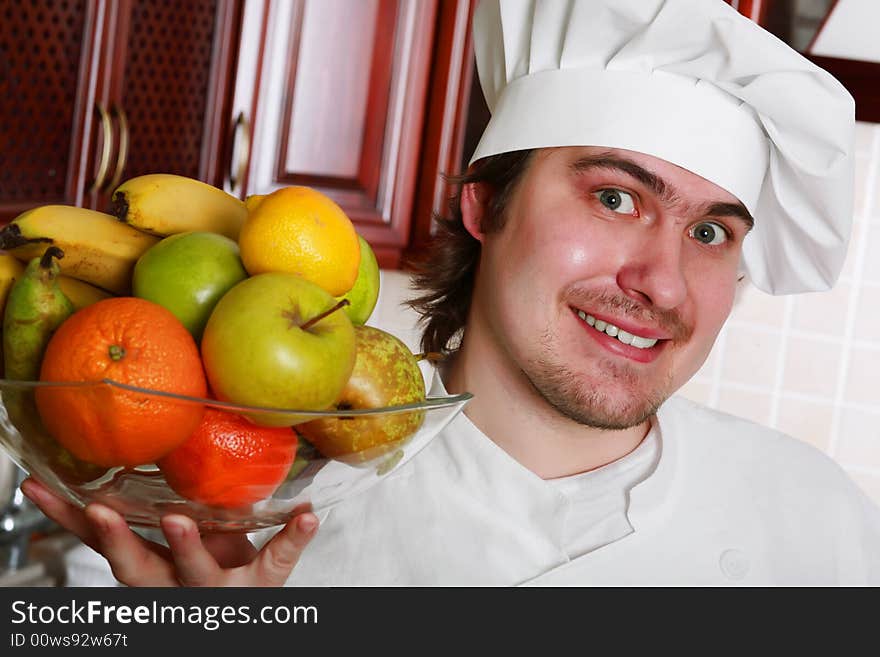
(141, 493)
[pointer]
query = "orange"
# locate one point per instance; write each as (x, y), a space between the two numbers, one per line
(230, 462)
(131, 341)
(252, 201)
(298, 230)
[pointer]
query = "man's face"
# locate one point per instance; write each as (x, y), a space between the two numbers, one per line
(610, 280)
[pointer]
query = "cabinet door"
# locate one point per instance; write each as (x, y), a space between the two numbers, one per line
(46, 115)
(455, 118)
(97, 91)
(338, 104)
(166, 84)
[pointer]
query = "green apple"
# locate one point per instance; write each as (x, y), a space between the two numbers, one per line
(187, 273)
(364, 293)
(277, 340)
(386, 373)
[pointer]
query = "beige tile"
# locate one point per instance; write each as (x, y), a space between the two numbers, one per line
(869, 483)
(871, 266)
(859, 439)
(872, 191)
(812, 367)
(391, 314)
(859, 231)
(863, 377)
(822, 312)
(862, 170)
(697, 390)
(754, 406)
(751, 357)
(753, 306)
(867, 326)
(807, 421)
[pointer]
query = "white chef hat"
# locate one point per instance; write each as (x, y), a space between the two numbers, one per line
(697, 84)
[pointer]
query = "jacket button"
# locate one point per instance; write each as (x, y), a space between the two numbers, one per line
(734, 564)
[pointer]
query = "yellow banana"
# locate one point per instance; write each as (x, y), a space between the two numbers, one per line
(165, 204)
(98, 249)
(80, 293)
(11, 270)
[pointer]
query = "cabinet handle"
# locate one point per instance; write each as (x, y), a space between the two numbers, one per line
(106, 149)
(122, 155)
(236, 173)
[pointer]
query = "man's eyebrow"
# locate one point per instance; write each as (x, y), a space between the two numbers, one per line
(659, 186)
(737, 210)
(616, 163)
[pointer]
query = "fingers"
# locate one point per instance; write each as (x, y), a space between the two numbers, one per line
(61, 511)
(276, 560)
(189, 562)
(230, 550)
(195, 565)
(132, 561)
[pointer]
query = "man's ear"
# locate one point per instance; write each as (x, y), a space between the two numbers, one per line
(474, 205)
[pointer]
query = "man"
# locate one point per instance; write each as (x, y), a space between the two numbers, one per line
(641, 157)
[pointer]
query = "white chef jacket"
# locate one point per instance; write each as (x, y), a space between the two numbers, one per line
(730, 502)
(598, 500)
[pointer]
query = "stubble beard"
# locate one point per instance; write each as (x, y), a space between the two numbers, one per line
(611, 398)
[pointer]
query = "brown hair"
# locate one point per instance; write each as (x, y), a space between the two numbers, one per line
(445, 276)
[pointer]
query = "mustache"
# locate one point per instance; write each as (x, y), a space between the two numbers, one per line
(668, 321)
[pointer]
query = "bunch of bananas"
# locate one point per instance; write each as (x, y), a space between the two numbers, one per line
(58, 258)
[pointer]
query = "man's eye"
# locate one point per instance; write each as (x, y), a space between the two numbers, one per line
(616, 200)
(708, 232)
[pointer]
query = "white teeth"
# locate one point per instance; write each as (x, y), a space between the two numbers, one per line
(624, 337)
(615, 332)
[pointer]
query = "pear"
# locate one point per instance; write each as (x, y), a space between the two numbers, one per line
(36, 306)
(386, 373)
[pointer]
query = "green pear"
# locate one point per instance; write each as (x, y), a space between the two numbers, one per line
(35, 307)
(187, 273)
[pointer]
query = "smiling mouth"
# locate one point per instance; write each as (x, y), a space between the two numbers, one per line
(613, 331)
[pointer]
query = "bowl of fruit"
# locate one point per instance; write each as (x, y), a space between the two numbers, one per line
(192, 353)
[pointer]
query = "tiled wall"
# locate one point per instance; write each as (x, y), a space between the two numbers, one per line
(809, 364)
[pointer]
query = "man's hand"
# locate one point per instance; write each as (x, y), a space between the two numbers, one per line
(192, 560)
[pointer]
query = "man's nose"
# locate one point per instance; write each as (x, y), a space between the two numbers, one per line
(654, 271)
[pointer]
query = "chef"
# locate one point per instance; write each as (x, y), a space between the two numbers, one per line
(642, 158)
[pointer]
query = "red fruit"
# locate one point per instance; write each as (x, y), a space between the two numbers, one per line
(230, 462)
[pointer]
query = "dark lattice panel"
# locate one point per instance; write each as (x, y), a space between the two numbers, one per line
(41, 42)
(166, 85)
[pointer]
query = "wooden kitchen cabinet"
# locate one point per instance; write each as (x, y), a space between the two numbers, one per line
(365, 100)
(98, 91)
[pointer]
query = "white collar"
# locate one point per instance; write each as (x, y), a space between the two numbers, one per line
(480, 463)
